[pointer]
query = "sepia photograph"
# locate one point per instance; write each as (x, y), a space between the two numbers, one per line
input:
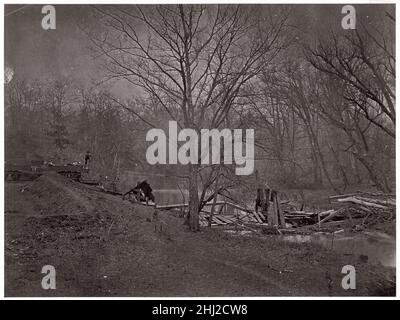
(199, 150)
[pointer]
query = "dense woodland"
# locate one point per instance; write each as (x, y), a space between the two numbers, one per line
(322, 105)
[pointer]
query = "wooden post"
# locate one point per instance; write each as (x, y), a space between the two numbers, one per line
(275, 205)
(263, 201)
(215, 198)
(270, 216)
(280, 212)
(269, 207)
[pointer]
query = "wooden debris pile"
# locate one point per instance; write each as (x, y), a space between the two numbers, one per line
(295, 217)
(231, 213)
(226, 213)
(358, 210)
(363, 209)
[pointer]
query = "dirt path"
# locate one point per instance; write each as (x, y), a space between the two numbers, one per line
(58, 184)
(121, 250)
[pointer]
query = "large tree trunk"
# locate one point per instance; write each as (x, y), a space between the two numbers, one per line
(216, 187)
(316, 169)
(193, 218)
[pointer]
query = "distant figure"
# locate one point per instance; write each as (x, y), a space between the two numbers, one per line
(88, 157)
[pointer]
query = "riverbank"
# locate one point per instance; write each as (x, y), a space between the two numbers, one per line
(103, 246)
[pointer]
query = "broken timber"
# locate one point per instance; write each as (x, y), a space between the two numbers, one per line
(239, 214)
(362, 202)
(271, 206)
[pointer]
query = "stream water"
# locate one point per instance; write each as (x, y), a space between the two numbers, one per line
(379, 247)
(171, 196)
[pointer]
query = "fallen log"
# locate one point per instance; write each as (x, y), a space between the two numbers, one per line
(339, 196)
(362, 202)
(387, 202)
(184, 205)
(300, 213)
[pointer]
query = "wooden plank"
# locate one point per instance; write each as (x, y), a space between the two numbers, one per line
(236, 206)
(183, 205)
(230, 219)
(270, 215)
(329, 217)
(262, 216)
(343, 196)
(203, 220)
(172, 206)
(275, 216)
(252, 218)
(233, 220)
(257, 217)
(218, 221)
(223, 218)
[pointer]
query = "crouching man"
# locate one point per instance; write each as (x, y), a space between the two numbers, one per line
(142, 192)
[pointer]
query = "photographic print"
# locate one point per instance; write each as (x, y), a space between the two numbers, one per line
(199, 150)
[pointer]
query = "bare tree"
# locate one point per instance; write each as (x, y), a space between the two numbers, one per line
(361, 134)
(364, 60)
(25, 117)
(58, 101)
(192, 59)
(293, 87)
(358, 71)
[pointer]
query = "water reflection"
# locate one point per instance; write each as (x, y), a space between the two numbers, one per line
(377, 246)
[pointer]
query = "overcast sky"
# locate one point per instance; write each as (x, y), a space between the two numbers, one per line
(35, 53)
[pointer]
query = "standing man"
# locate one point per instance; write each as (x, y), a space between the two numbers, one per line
(88, 157)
